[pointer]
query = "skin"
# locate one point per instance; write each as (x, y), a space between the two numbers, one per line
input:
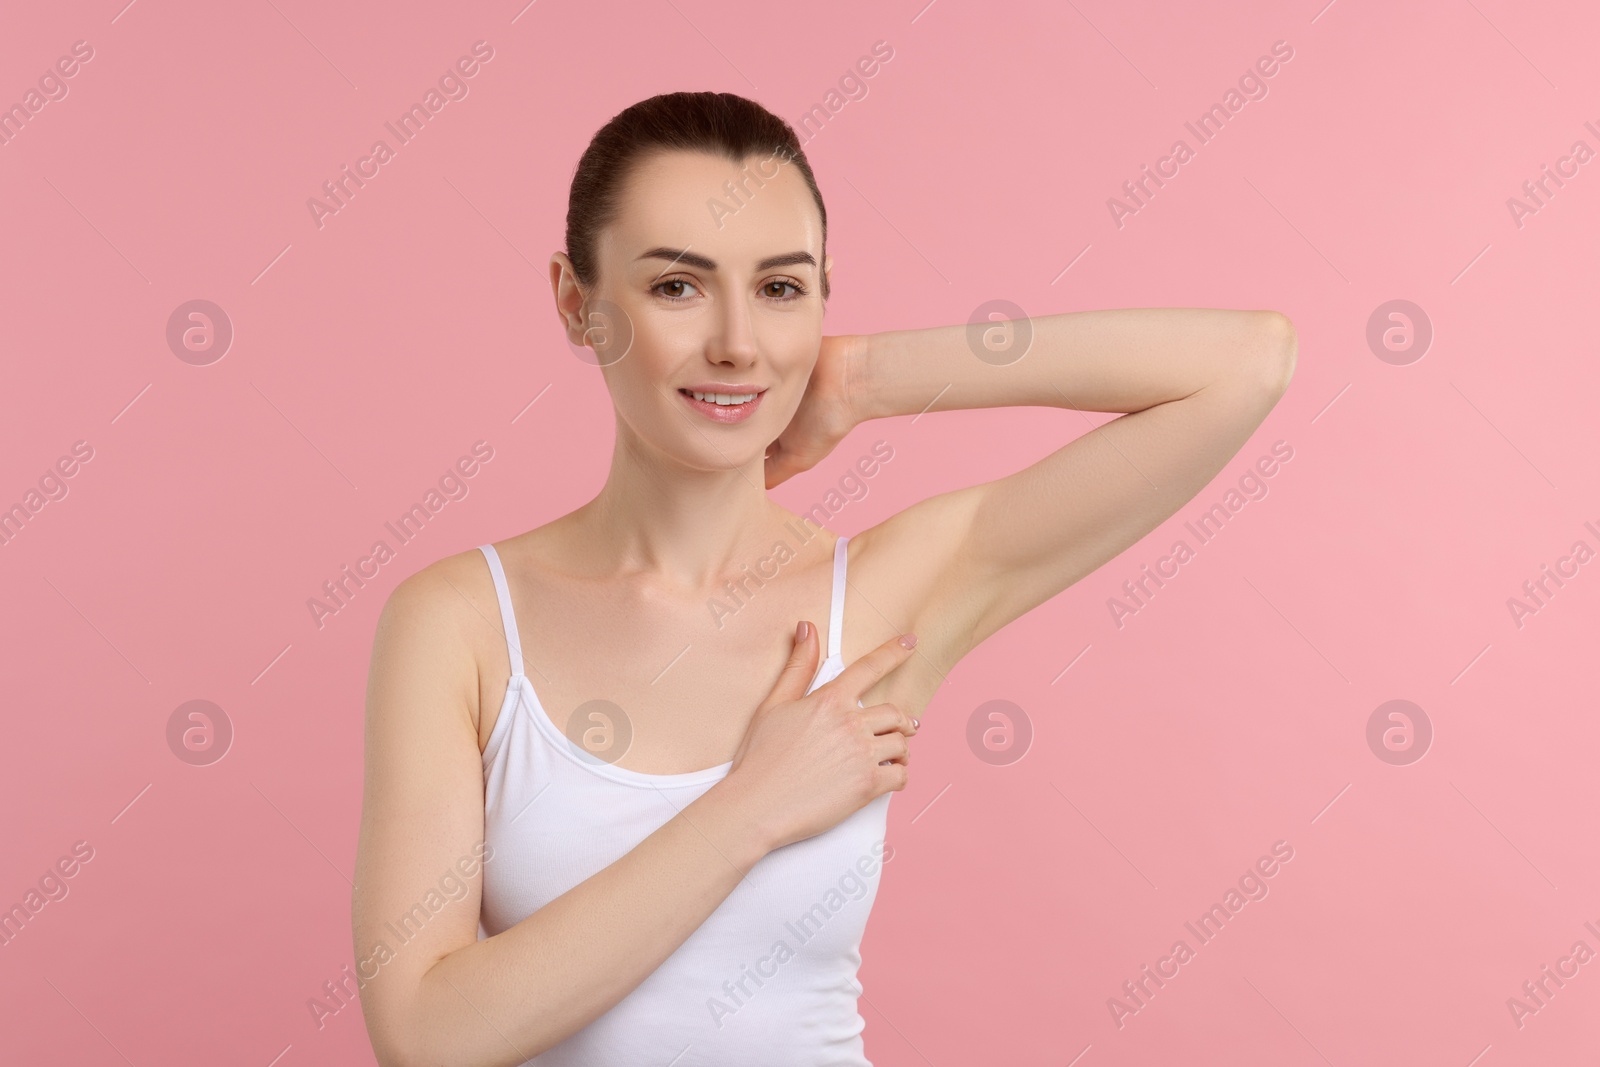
(612, 598)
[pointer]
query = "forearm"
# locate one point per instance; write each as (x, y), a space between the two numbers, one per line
(1117, 360)
(505, 999)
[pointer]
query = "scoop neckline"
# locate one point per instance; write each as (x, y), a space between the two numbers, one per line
(559, 741)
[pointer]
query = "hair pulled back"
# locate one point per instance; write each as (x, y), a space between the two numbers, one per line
(719, 123)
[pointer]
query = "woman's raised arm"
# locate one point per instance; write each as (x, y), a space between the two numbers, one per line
(1194, 384)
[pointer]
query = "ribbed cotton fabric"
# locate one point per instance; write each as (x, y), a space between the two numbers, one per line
(769, 979)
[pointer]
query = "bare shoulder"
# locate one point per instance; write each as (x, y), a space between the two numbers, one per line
(436, 629)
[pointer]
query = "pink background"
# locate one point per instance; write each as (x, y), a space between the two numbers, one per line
(1230, 713)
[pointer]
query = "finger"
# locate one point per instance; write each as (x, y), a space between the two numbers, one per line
(782, 466)
(778, 468)
(886, 718)
(891, 748)
(890, 777)
(785, 461)
(775, 474)
(798, 672)
(860, 675)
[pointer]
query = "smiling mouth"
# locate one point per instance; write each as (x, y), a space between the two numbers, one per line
(722, 399)
(723, 407)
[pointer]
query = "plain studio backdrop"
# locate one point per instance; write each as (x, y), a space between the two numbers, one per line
(1414, 185)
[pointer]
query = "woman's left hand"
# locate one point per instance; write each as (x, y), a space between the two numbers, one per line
(824, 415)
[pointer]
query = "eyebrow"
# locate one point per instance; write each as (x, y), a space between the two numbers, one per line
(694, 259)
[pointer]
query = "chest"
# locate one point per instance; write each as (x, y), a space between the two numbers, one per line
(664, 684)
(823, 884)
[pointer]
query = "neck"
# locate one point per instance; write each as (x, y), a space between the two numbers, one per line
(687, 527)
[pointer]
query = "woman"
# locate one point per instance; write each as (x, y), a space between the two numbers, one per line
(673, 842)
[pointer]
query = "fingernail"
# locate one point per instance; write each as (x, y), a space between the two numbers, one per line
(916, 724)
(801, 631)
(908, 640)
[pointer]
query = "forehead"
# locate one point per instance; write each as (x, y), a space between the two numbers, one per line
(735, 213)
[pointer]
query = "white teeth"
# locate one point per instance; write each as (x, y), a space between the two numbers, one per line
(723, 399)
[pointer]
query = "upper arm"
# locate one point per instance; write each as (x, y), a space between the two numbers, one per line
(975, 559)
(418, 862)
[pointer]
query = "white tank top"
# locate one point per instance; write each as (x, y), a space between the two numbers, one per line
(769, 978)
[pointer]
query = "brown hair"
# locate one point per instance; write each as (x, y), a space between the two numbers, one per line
(719, 123)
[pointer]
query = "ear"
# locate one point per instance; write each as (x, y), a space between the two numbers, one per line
(569, 298)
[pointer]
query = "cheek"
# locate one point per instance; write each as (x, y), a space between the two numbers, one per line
(638, 375)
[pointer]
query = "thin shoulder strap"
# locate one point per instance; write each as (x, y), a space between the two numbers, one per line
(836, 617)
(508, 618)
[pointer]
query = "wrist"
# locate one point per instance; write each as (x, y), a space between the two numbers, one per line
(742, 827)
(856, 381)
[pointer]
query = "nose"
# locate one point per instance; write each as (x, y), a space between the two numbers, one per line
(735, 345)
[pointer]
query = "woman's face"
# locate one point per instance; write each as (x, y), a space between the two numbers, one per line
(714, 271)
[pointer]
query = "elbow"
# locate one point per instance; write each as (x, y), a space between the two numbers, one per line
(424, 1039)
(1276, 352)
(408, 1056)
(389, 1050)
(393, 1045)
(389, 1057)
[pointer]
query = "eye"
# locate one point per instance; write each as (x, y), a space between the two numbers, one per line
(671, 281)
(799, 290)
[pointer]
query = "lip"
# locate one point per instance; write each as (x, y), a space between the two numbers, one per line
(731, 388)
(724, 413)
